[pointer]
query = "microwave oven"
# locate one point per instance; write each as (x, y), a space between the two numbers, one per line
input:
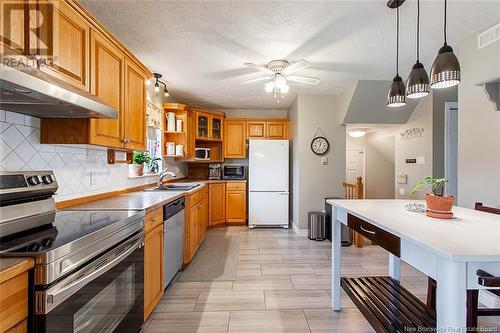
(233, 172)
(202, 154)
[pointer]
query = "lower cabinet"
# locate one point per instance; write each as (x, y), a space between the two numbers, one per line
(153, 260)
(196, 222)
(236, 202)
(217, 203)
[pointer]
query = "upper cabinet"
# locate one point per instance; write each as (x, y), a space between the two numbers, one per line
(208, 126)
(256, 129)
(277, 130)
(234, 143)
(108, 65)
(88, 57)
(14, 32)
(68, 41)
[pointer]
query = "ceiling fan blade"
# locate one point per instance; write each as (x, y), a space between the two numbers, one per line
(303, 79)
(258, 79)
(258, 67)
(296, 66)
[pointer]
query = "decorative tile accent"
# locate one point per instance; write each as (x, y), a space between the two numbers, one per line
(75, 166)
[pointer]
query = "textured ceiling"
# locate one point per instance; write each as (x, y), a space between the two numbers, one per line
(200, 47)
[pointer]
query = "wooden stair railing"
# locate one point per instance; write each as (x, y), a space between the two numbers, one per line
(354, 191)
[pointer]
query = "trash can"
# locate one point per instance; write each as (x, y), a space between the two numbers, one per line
(317, 226)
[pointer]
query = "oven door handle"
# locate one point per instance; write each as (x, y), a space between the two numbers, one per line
(101, 267)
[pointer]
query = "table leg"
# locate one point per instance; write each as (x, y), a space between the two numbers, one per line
(336, 249)
(451, 296)
(394, 267)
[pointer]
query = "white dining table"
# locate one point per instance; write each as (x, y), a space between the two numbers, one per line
(449, 251)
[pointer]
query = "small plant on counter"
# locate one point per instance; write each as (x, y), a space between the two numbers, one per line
(140, 158)
(438, 204)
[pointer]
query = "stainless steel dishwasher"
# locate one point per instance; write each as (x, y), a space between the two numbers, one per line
(173, 237)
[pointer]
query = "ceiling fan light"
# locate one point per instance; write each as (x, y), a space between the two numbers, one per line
(280, 81)
(285, 89)
(269, 87)
(445, 71)
(396, 96)
(417, 84)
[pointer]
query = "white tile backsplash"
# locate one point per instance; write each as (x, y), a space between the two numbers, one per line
(73, 165)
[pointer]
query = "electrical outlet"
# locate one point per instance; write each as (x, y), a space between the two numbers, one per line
(324, 160)
(401, 191)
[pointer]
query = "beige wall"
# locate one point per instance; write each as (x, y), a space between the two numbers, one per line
(250, 113)
(379, 146)
(313, 182)
(411, 148)
(478, 126)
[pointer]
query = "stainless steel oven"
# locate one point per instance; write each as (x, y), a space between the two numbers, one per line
(105, 295)
(89, 265)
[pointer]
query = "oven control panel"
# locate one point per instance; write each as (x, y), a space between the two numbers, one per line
(25, 181)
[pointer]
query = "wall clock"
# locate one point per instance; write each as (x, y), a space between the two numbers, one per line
(320, 145)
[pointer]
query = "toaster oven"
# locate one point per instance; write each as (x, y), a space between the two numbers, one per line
(233, 172)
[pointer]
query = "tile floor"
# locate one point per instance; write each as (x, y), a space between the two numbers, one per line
(282, 285)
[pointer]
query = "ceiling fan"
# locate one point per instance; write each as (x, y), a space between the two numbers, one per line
(278, 72)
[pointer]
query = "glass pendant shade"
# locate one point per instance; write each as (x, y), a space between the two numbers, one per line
(417, 84)
(445, 71)
(396, 96)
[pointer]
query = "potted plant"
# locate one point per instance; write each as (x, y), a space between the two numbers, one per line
(140, 158)
(438, 204)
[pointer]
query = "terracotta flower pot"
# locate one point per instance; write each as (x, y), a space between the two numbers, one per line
(439, 206)
(139, 169)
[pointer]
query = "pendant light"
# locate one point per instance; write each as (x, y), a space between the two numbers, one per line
(445, 71)
(417, 84)
(396, 96)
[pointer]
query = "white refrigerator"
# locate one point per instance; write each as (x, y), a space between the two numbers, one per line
(268, 179)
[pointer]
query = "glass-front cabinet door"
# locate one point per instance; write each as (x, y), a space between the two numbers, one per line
(202, 122)
(216, 127)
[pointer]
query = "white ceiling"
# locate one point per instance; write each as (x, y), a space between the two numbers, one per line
(200, 47)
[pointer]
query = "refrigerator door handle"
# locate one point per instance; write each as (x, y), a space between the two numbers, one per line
(284, 193)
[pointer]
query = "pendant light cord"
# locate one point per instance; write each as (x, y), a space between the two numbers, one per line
(445, 22)
(397, 41)
(418, 30)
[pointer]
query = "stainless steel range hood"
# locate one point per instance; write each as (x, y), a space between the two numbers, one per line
(38, 94)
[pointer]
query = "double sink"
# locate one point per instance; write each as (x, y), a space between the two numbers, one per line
(173, 187)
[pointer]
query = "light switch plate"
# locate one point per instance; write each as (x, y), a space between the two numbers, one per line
(324, 160)
(420, 159)
(401, 191)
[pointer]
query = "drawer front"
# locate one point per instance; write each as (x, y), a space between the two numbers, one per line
(13, 301)
(379, 236)
(198, 196)
(233, 186)
(153, 219)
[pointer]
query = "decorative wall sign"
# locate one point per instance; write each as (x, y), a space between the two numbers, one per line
(412, 133)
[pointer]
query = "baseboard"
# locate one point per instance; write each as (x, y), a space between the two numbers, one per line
(299, 232)
(489, 299)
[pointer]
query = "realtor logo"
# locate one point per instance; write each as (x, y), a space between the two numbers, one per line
(26, 30)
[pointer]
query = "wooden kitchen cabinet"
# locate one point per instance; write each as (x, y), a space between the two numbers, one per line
(277, 130)
(134, 122)
(153, 269)
(234, 143)
(217, 203)
(14, 41)
(256, 130)
(14, 289)
(236, 200)
(69, 36)
(107, 63)
(196, 222)
(209, 126)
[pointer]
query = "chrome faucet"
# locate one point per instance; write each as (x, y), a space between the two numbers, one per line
(164, 174)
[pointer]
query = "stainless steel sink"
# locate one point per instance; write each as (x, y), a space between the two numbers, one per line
(174, 187)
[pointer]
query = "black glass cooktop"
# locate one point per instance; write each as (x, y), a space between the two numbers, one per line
(65, 227)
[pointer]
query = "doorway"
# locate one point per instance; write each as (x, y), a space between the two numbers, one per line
(451, 147)
(356, 166)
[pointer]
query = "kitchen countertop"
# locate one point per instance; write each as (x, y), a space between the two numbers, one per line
(11, 267)
(144, 200)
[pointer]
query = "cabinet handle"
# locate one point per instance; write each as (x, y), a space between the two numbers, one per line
(366, 230)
